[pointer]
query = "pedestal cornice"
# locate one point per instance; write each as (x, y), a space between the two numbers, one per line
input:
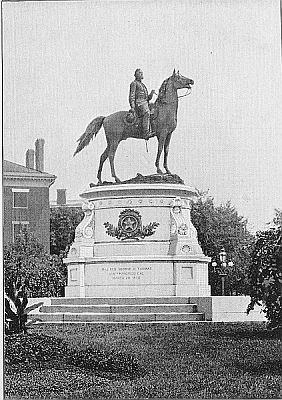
(135, 258)
(125, 190)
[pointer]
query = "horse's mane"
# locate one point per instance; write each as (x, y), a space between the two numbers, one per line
(162, 91)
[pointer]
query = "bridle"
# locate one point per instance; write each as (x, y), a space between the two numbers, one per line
(189, 90)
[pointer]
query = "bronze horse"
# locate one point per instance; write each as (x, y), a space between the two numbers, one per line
(117, 129)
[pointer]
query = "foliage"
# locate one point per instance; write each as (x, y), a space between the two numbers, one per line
(27, 261)
(63, 222)
(277, 220)
(266, 275)
(35, 351)
(218, 227)
(32, 350)
(113, 361)
(16, 310)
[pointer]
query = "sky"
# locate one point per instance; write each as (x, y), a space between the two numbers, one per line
(65, 63)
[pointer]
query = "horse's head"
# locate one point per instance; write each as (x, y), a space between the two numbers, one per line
(174, 82)
(180, 81)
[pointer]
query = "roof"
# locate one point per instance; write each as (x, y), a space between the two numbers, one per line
(18, 169)
(16, 174)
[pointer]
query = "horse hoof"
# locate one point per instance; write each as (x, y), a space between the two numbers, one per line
(117, 180)
(168, 172)
(159, 171)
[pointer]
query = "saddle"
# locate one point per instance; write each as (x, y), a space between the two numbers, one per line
(133, 118)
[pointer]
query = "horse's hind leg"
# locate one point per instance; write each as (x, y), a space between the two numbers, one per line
(166, 149)
(103, 158)
(112, 152)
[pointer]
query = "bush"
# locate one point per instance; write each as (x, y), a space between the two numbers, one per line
(266, 275)
(97, 360)
(27, 261)
(34, 351)
(16, 310)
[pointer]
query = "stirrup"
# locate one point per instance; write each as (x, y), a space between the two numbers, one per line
(149, 135)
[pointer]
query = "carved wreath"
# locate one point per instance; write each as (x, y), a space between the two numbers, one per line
(130, 226)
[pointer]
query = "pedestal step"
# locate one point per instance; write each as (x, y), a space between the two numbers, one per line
(119, 300)
(121, 309)
(108, 310)
(118, 317)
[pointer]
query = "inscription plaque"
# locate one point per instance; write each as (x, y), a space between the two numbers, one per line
(129, 274)
(126, 273)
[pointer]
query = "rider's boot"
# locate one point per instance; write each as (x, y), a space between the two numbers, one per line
(147, 133)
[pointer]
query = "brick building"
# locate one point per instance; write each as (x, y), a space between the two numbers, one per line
(26, 196)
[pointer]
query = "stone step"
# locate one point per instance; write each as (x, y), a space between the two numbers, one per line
(119, 300)
(120, 309)
(118, 317)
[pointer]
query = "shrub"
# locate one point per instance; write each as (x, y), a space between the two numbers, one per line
(33, 351)
(27, 261)
(36, 351)
(16, 310)
(266, 275)
(97, 360)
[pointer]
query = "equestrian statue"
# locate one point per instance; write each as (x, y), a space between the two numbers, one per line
(143, 120)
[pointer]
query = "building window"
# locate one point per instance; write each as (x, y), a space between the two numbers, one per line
(19, 227)
(20, 198)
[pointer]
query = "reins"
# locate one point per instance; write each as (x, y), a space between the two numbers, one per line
(186, 94)
(189, 90)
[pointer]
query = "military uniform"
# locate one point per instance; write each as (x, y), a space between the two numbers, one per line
(139, 101)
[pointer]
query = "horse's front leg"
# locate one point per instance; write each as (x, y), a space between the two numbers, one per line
(166, 149)
(161, 140)
(112, 153)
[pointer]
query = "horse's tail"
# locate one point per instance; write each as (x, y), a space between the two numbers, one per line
(91, 130)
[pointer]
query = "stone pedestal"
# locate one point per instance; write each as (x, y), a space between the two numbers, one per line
(137, 240)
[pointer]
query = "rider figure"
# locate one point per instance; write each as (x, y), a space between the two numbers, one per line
(139, 102)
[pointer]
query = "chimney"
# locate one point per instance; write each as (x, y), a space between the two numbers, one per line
(39, 155)
(61, 197)
(29, 158)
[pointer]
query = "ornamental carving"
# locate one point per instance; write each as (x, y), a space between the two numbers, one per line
(180, 223)
(86, 228)
(183, 235)
(183, 229)
(130, 226)
(186, 248)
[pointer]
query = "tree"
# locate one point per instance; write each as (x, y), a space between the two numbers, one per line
(266, 273)
(277, 220)
(63, 222)
(27, 263)
(218, 227)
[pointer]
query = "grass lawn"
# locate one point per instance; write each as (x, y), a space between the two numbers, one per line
(197, 360)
